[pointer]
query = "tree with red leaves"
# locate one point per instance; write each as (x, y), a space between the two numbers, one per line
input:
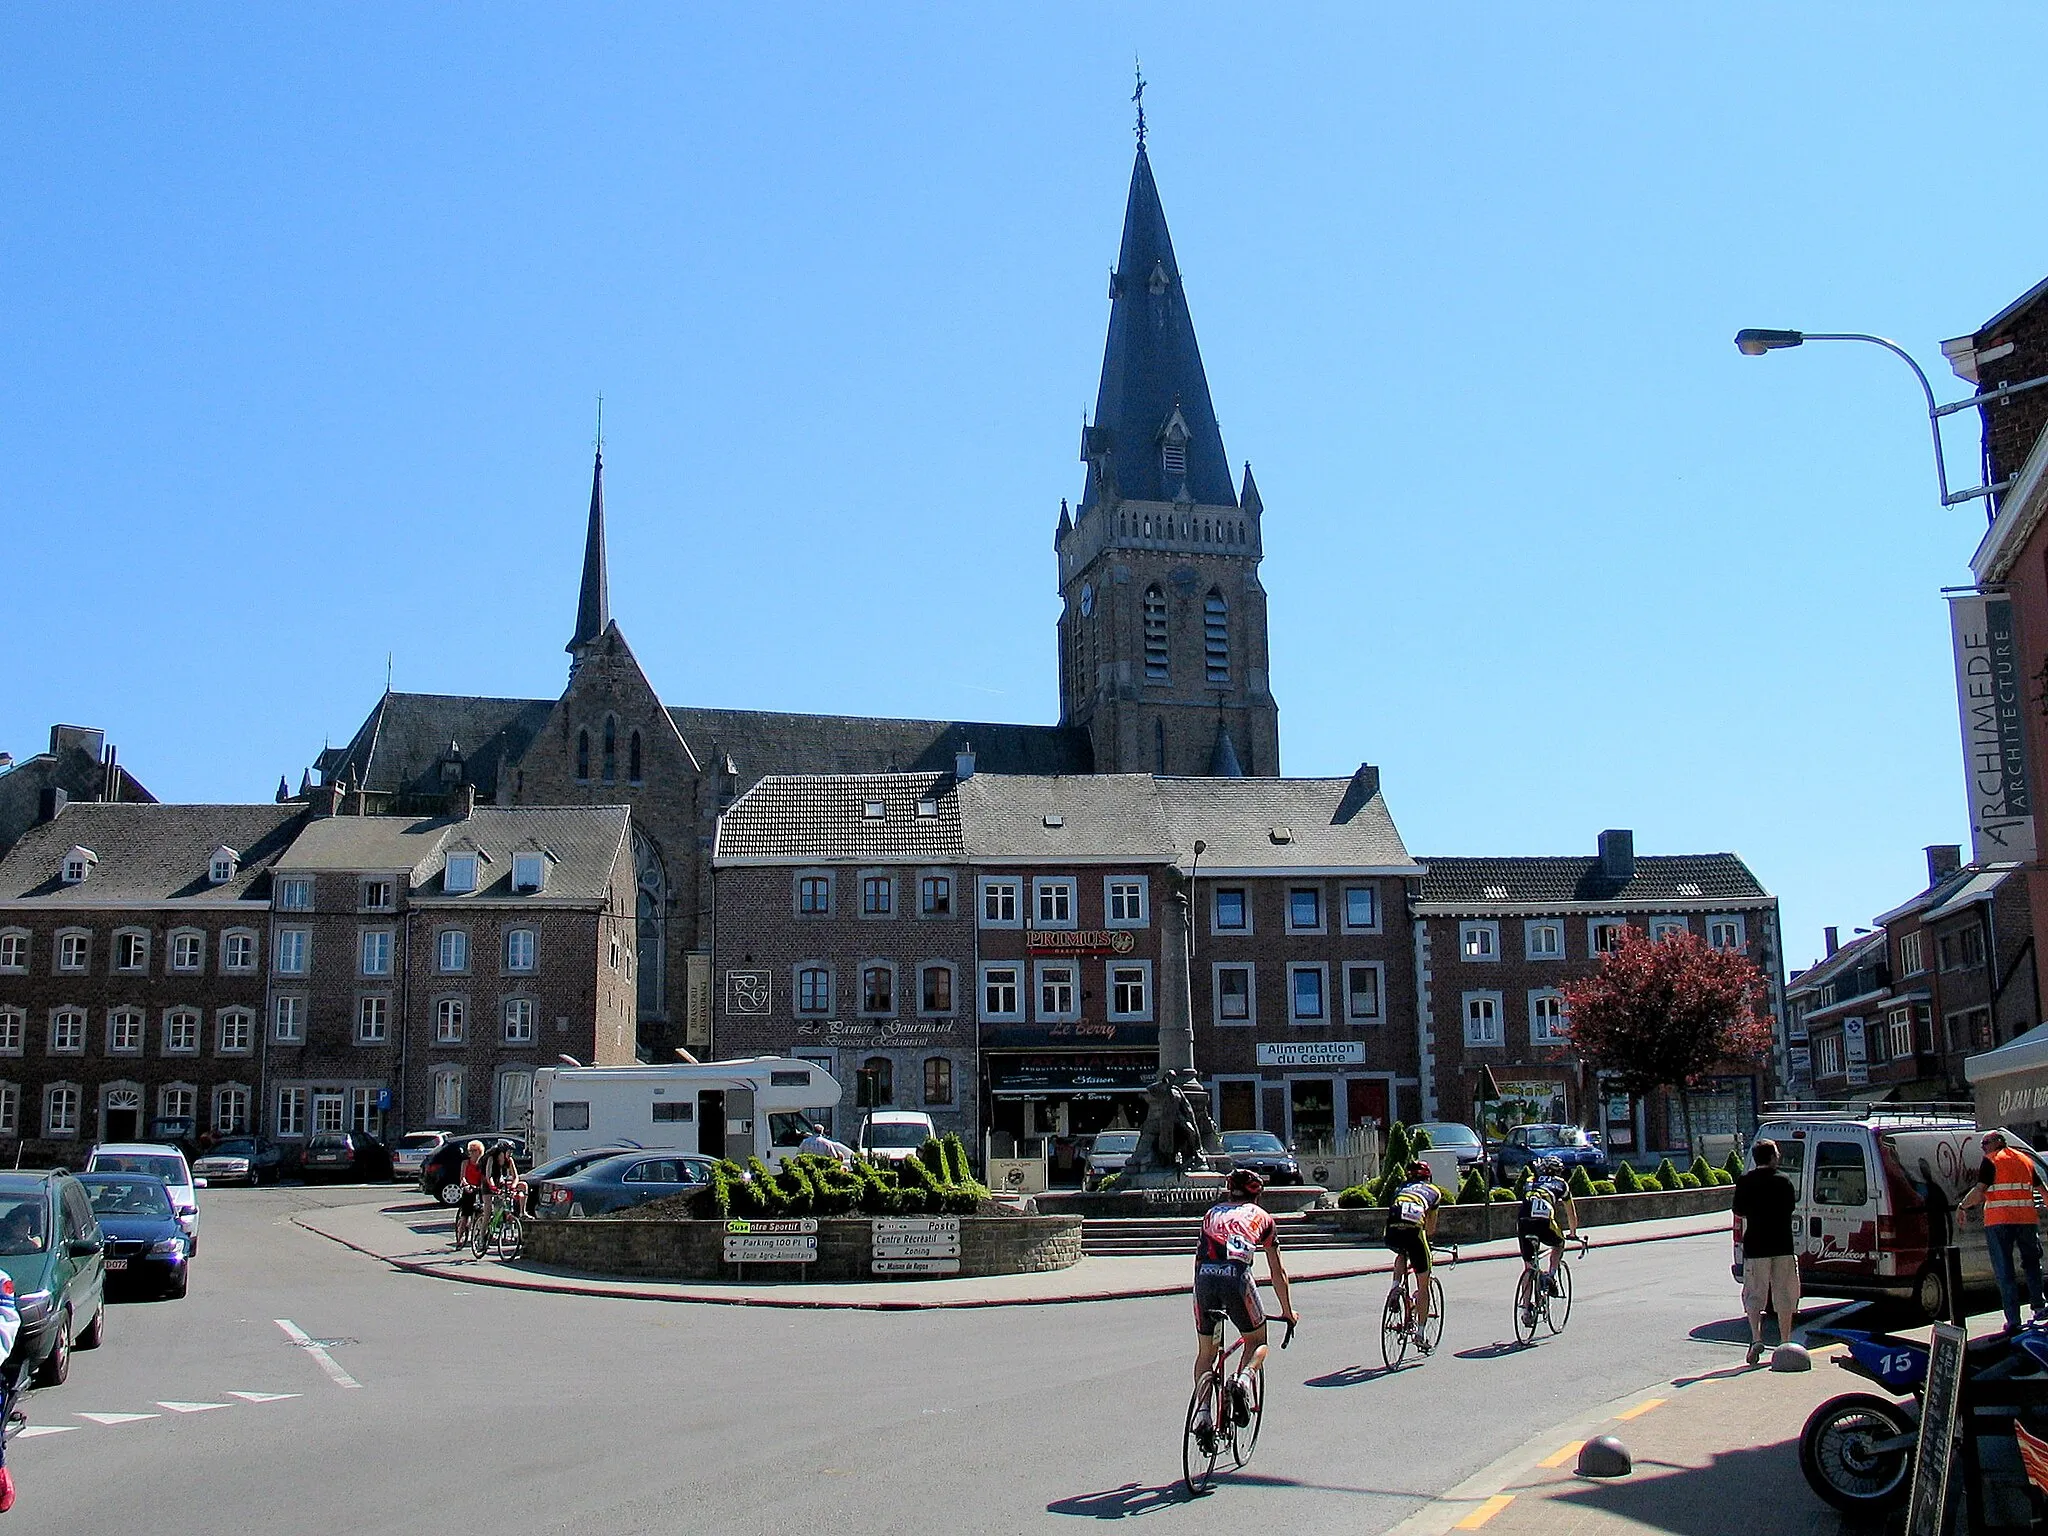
(1665, 1014)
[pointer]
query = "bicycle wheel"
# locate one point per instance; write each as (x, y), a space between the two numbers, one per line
(1244, 1436)
(1394, 1329)
(1527, 1306)
(480, 1233)
(1559, 1312)
(1433, 1330)
(1198, 1466)
(511, 1235)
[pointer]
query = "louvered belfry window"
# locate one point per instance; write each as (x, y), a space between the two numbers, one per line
(1216, 637)
(1174, 453)
(1156, 667)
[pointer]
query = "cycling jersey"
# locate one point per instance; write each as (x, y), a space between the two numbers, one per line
(1413, 1203)
(1544, 1199)
(1232, 1235)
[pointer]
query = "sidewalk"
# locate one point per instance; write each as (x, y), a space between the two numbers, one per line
(413, 1235)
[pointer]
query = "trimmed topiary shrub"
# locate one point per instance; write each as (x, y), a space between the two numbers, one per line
(1701, 1169)
(1472, 1189)
(1666, 1176)
(1503, 1196)
(1605, 1186)
(1688, 1181)
(1733, 1167)
(1580, 1183)
(1626, 1180)
(1722, 1176)
(1357, 1197)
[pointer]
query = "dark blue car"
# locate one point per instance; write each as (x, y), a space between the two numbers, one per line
(1567, 1143)
(619, 1183)
(148, 1250)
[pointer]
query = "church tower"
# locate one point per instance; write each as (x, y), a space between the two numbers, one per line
(1162, 632)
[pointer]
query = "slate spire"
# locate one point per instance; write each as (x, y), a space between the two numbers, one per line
(593, 602)
(1153, 386)
(1223, 763)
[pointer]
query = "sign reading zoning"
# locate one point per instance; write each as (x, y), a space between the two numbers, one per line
(915, 1245)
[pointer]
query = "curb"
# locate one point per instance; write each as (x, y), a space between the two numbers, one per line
(502, 1279)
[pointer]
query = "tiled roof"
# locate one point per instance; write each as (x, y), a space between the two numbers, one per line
(1846, 958)
(1285, 824)
(582, 843)
(399, 747)
(1659, 879)
(150, 853)
(1083, 816)
(824, 816)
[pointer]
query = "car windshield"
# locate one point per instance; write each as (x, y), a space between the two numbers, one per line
(1117, 1141)
(237, 1147)
(1451, 1135)
(170, 1169)
(897, 1135)
(128, 1197)
(22, 1229)
(1548, 1136)
(328, 1141)
(1251, 1141)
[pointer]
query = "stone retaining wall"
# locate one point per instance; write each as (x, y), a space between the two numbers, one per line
(1480, 1223)
(694, 1250)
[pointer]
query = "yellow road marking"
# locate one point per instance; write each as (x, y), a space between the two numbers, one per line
(1485, 1512)
(1559, 1458)
(1642, 1408)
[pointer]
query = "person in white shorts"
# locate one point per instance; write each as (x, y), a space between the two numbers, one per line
(1764, 1201)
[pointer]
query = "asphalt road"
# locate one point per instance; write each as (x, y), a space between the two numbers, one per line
(484, 1409)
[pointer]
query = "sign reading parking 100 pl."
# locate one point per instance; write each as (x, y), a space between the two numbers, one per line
(915, 1245)
(771, 1242)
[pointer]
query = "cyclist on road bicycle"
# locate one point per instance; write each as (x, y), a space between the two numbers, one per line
(1233, 1232)
(501, 1175)
(1543, 1198)
(474, 1182)
(1411, 1223)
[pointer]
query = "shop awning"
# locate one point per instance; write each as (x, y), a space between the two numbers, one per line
(1039, 1082)
(2012, 1082)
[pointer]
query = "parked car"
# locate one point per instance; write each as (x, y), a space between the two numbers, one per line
(410, 1152)
(1567, 1143)
(247, 1160)
(344, 1155)
(52, 1249)
(1449, 1136)
(618, 1183)
(1107, 1156)
(441, 1173)
(147, 1250)
(163, 1162)
(891, 1135)
(1264, 1153)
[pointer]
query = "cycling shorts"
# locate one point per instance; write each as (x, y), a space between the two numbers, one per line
(1411, 1244)
(1226, 1290)
(472, 1198)
(1538, 1234)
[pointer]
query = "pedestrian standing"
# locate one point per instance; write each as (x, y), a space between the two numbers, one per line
(1764, 1201)
(2006, 1181)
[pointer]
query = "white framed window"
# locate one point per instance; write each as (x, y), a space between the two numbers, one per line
(131, 949)
(878, 989)
(375, 944)
(1899, 1031)
(14, 951)
(1912, 957)
(329, 1106)
(288, 1018)
(181, 1032)
(76, 864)
(1479, 941)
(1123, 898)
(177, 1101)
(377, 896)
(448, 1093)
(451, 951)
(10, 1109)
(124, 1032)
(1053, 901)
(1304, 909)
(294, 951)
(522, 950)
(935, 990)
(1001, 901)
(1546, 1017)
(373, 1019)
(814, 894)
(935, 896)
(529, 871)
(1308, 994)
(1662, 928)
(1364, 991)
(291, 1111)
(67, 1032)
(1230, 910)
(13, 1031)
(1725, 932)
(231, 1109)
(1482, 1018)
(1361, 909)
(238, 951)
(1604, 933)
(1827, 1050)
(458, 877)
(61, 1102)
(363, 1113)
(451, 1019)
(1827, 995)
(519, 1014)
(1059, 990)
(1130, 989)
(74, 950)
(1235, 990)
(236, 1032)
(188, 951)
(813, 989)
(1543, 939)
(515, 1094)
(1002, 990)
(877, 895)
(292, 893)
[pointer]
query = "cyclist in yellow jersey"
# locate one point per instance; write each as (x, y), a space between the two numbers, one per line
(1411, 1223)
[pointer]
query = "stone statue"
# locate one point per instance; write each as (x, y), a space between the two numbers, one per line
(1178, 1130)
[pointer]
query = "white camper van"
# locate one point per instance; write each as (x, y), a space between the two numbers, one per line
(759, 1107)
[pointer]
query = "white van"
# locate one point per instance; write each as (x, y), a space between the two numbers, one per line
(1877, 1194)
(759, 1107)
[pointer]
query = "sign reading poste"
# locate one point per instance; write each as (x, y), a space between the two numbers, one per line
(915, 1245)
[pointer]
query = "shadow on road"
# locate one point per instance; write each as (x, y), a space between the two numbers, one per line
(1497, 1351)
(1121, 1503)
(1746, 1490)
(1349, 1376)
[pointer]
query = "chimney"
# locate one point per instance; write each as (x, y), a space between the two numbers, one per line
(1833, 936)
(963, 762)
(110, 775)
(1618, 856)
(1366, 780)
(1943, 860)
(332, 794)
(468, 801)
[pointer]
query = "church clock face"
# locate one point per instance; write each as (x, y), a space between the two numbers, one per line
(1087, 599)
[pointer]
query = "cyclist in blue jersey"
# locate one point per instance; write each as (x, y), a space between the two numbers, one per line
(1546, 1197)
(1233, 1232)
(1411, 1222)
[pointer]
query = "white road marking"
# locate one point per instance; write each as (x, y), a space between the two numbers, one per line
(118, 1418)
(304, 1340)
(45, 1429)
(190, 1407)
(263, 1397)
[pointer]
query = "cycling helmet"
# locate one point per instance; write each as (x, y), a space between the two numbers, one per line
(1246, 1181)
(1551, 1165)
(1418, 1169)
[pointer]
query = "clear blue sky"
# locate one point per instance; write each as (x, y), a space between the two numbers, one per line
(303, 311)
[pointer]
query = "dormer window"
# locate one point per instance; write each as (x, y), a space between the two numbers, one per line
(77, 864)
(1174, 455)
(927, 807)
(873, 810)
(221, 866)
(529, 871)
(460, 875)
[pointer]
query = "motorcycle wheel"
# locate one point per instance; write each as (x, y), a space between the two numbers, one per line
(1835, 1454)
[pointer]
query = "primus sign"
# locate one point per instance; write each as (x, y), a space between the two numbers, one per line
(1991, 695)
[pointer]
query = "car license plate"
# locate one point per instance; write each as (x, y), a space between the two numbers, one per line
(117, 1263)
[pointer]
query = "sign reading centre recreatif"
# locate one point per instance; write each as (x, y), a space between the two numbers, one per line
(915, 1245)
(1991, 691)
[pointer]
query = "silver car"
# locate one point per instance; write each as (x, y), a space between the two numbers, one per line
(1107, 1156)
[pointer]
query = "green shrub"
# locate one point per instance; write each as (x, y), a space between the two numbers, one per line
(1626, 1180)
(1667, 1175)
(1472, 1189)
(1502, 1196)
(1606, 1186)
(1357, 1197)
(1701, 1169)
(1688, 1181)
(1722, 1176)
(1581, 1183)
(961, 1171)
(1398, 1150)
(1733, 1167)
(1418, 1141)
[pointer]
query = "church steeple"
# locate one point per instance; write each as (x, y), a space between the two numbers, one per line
(593, 602)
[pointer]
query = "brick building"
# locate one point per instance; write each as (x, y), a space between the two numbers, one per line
(80, 765)
(1496, 939)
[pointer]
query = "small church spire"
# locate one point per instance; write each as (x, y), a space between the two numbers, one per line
(593, 602)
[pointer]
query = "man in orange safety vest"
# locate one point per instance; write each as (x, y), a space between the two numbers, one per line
(2005, 1186)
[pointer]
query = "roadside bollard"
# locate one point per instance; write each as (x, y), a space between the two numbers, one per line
(1791, 1357)
(1605, 1456)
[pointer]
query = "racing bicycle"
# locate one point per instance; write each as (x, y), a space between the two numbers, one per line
(1397, 1330)
(1535, 1307)
(1212, 1430)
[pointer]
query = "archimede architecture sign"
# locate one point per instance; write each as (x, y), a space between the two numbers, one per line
(1991, 695)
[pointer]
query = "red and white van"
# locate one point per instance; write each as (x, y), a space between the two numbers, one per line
(1877, 1198)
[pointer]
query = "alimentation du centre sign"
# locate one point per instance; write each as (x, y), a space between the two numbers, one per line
(1991, 695)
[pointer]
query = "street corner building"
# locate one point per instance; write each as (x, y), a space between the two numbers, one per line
(1002, 951)
(1497, 940)
(175, 970)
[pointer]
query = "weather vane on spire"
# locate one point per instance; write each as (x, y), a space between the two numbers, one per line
(1138, 96)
